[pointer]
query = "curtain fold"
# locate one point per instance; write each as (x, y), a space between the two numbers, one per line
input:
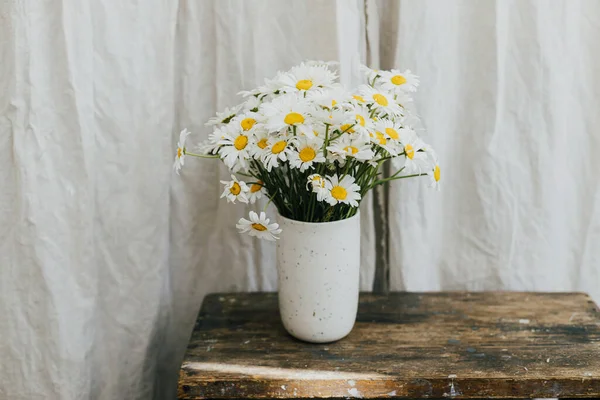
(106, 254)
(508, 97)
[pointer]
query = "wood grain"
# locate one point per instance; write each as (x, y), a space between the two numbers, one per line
(404, 345)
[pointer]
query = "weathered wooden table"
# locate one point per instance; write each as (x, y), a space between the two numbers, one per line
(404, 345)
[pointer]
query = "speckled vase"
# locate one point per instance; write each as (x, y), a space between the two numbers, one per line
(318, 268)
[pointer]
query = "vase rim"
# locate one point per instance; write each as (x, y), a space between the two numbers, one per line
(294, 221)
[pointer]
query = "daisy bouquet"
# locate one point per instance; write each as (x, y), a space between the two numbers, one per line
(313, 147)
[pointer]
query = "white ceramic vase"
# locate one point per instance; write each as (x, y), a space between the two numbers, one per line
(318, 268)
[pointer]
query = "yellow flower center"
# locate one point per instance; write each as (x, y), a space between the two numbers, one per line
(262, 143)
(360, 119)
(179, 152)
(235, 189)
(436, 173)
(259, 227)
(358, 98)
(240, 142)
(410, 151)
(315, 133)
(307, 154)
(278, 147)
(392, 133)
(398, 80)
(333, 103)
(339, 193)
(256, 187)
(347, 128)
(293, 118)
(247, 123)
(304, 84)
(380, 99)
(352, 149)
(381, 138)
(318, 181)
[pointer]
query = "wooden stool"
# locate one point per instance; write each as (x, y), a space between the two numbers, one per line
(404, 345)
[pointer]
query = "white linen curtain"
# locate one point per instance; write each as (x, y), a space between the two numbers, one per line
(510, 97)
(105, 255)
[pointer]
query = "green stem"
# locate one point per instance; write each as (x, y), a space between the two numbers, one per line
(187, 153)
(379, 182)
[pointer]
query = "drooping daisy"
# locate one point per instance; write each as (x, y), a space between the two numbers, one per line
(380, 100)
(308, 151)
(305, 77)
(397, 82)
(234, 148)
(278, 149)
(317, 184)
(343, 191)
(259, 226)
(256, 191)
(434, 181)
(434, 173)
(224, 116)
(347, 146)
(180, 156)
(287, 111)
(235, 190)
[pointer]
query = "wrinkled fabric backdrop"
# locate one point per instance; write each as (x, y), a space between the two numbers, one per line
(105, 254)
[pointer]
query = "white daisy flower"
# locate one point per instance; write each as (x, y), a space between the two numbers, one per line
(434, 175)
(256, 191)
(278, 149)
(235, 190)
(259, 226)
(434, 167)
(329, 98)
(287, 111)
(260, 141)
(317, 184)
(270, 86)
(252, 103)
(343, 191)
(351, 147)
(246, 121)
(381, 140)
(414, 159)
(371, 74)
(224, 116)
(307, 77)
(391, 129)
(398, 82)
(180, 156)
(331, 117)
(308, 151)
(380, 100)
(234, 148)
(363, 124)
(358, 99)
